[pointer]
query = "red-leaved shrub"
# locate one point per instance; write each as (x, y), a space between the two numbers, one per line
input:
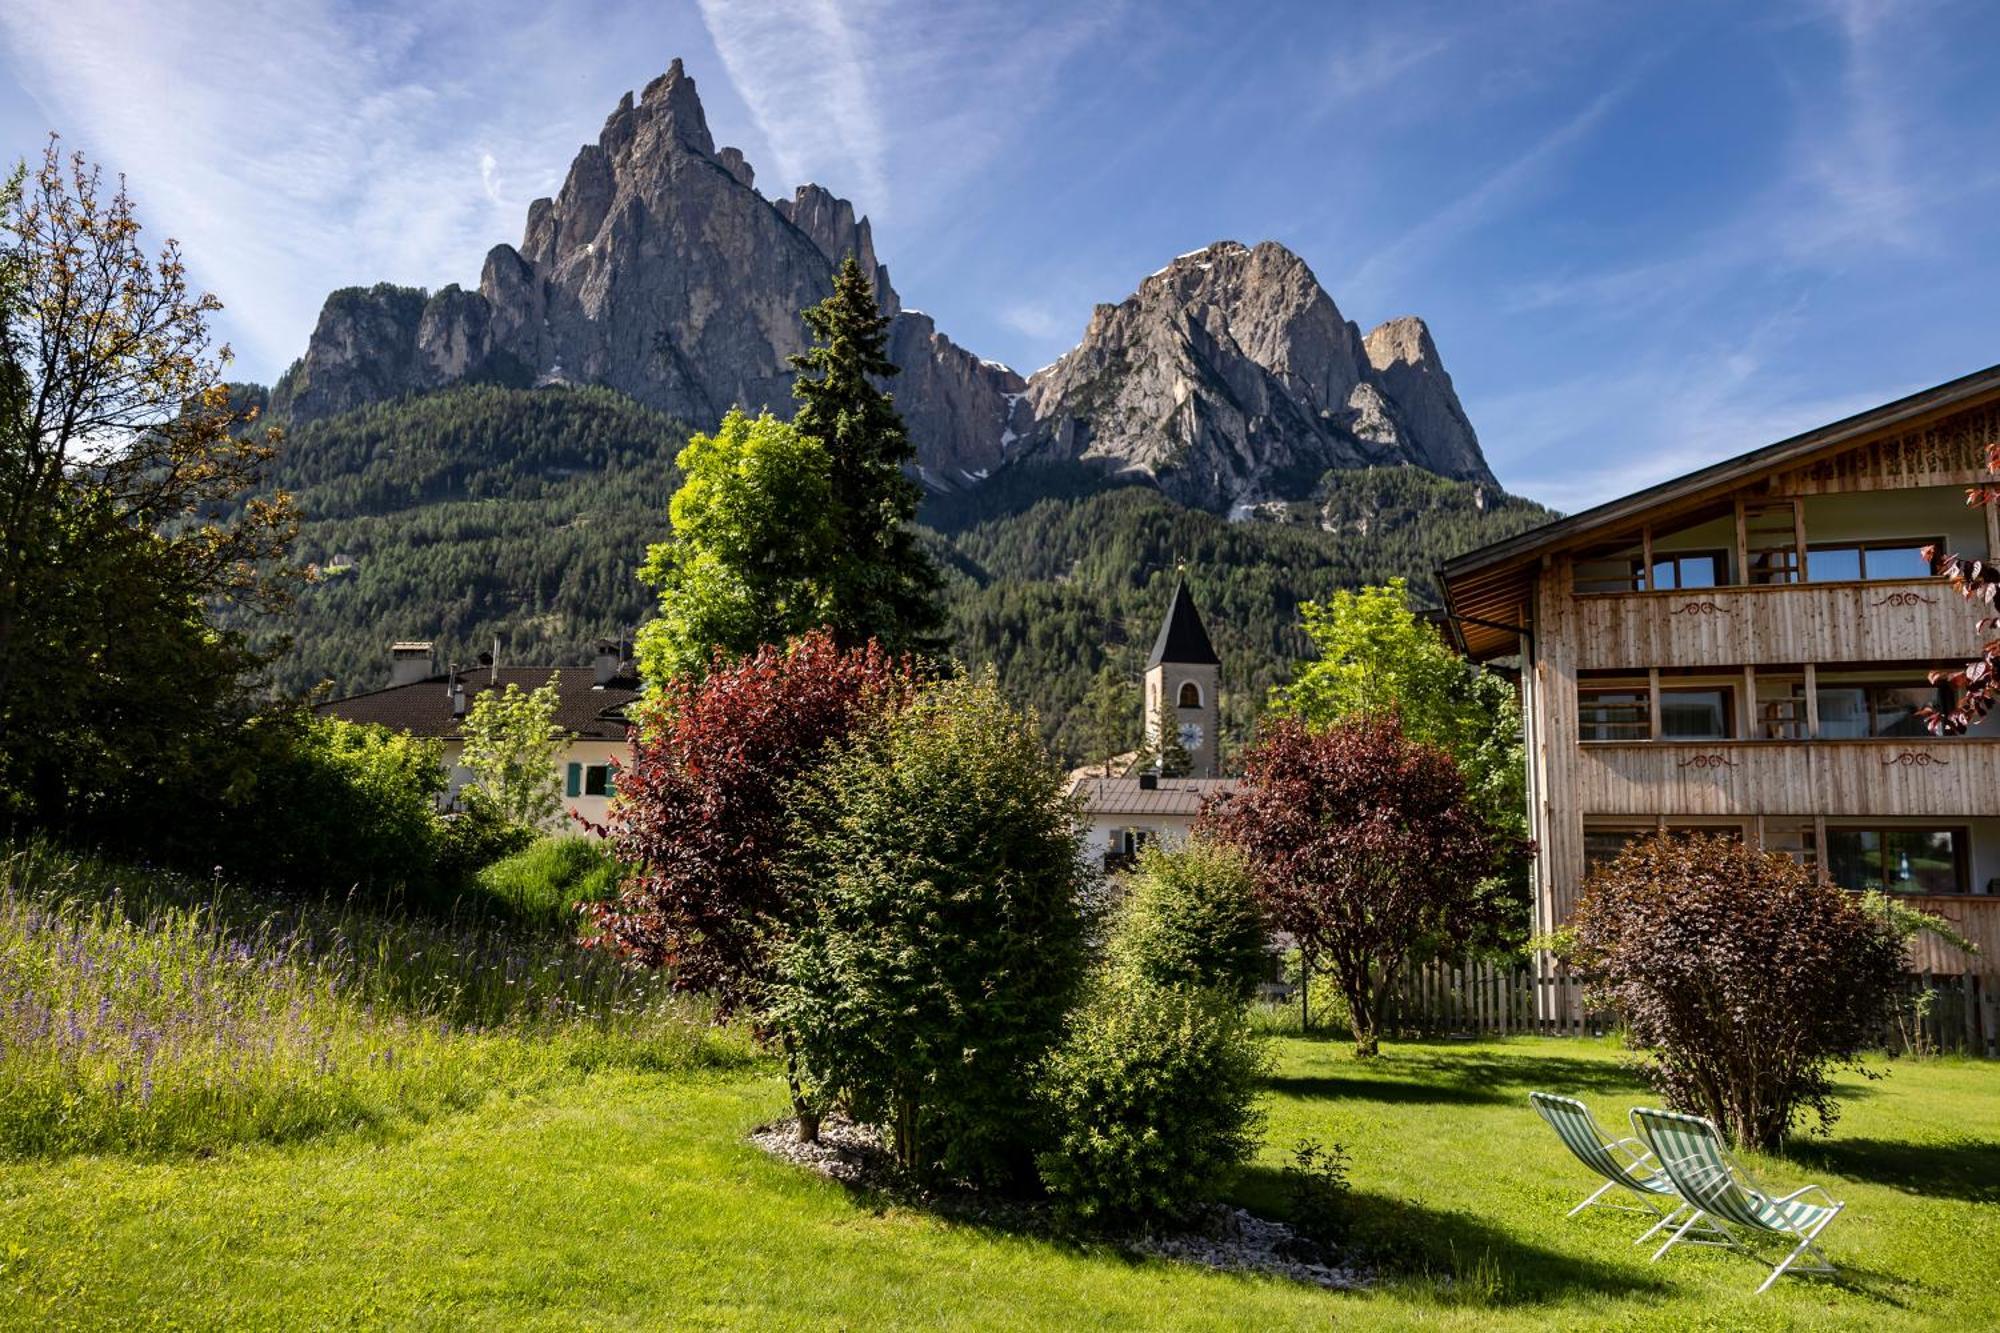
(701, 807)
(1745, 976)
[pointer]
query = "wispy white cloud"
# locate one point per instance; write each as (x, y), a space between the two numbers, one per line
(891, 102)
(1494, 194)
(301, 147)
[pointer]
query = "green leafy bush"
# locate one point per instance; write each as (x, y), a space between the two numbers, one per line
(1150, 1101)
(1189, 919)
(947, 939)
(1317, 1189)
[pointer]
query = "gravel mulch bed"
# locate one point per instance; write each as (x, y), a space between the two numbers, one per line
(1228, 1239)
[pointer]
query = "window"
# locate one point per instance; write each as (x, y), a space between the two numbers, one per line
(1128, 842)
(1619, 568)
(1190, 694)
(597, 780)
(1862, 709)
(1900, 558)
(1781, 709)
(1603, 842)
(1771, 542)
(1793, 838)
(1622, 714)
(1704, 713)
(1690, 569)
(1899, 860)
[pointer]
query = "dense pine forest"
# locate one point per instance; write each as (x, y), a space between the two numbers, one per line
(522, 514)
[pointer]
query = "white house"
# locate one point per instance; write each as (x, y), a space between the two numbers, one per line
(590, 708)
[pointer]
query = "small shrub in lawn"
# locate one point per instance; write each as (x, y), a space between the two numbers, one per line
(948, 934)
(1316, 1188)
(552, 877)
(1150, 1102)
(1190, 918)
(1745, 976)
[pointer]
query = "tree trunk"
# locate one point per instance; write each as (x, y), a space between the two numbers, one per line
(1362, 1015)
(806, 1109)
(1305, 993)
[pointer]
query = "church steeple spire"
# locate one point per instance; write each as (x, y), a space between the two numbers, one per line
(1182, 677)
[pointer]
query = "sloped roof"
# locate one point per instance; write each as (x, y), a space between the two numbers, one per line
(1182, 639)
(1174, 796)
(584, 708)
(1490, 583)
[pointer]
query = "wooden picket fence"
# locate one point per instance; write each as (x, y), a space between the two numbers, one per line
(1440, 999)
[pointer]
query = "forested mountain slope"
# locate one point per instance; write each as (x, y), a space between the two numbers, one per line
(485, 511)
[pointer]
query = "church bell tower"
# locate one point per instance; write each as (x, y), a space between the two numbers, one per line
(1182, 677)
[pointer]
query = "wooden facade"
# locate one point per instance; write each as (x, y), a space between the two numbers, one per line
(1743, 593)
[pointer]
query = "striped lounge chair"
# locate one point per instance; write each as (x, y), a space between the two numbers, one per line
(1721, 1194)
(1622, 1162)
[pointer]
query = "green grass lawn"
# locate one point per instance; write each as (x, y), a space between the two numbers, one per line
(629, 1201)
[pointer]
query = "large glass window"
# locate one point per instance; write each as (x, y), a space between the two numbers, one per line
(1620, 714)
(1856, 710)
(1901, 558)
(1792, 837)
(1690, 569)
(1899, 860)
(1699, 713)
(1603, 842)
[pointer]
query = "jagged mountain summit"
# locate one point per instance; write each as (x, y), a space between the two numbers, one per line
(661, 271)
(1230, 375)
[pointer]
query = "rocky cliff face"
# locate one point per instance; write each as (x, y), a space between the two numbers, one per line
(1229, 377)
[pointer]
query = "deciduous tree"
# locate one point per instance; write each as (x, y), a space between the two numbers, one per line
(753, 552)
(1362, 845)
(127, 511)
(1976, 684)
(947, 940)
(511, 744)
(1374, 656)
(703, 808)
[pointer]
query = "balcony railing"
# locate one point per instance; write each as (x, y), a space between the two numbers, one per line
(1890, 620)
(1944, 778)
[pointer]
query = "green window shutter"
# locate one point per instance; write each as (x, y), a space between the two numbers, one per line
(610, 780)
(574, 783)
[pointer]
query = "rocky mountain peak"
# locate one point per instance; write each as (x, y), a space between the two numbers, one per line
(1408, 368)
(1229, 376)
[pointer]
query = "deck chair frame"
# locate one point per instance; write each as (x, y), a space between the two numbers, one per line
(1620, 1161)
(1719, 1192)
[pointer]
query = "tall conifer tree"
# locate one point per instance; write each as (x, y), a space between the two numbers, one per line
(884, 585)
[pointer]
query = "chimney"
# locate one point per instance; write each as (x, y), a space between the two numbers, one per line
(457, 697)
(494, 678)
(610, 657)
(1149, 782)
(409, 661)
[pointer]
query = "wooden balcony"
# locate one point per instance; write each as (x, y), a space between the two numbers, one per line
(1924, 778)
(1902, 620)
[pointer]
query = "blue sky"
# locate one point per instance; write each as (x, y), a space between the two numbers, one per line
(1644, 236)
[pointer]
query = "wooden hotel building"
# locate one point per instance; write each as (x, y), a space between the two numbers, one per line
(1746, 648)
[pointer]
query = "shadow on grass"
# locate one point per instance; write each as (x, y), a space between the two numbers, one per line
(1467, 1259)
(1394, 1090)
(1461, 1079)
(1963, 1170)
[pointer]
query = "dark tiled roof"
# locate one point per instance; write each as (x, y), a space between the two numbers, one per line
(1182, 639)
(583, 708)
(1174, 796)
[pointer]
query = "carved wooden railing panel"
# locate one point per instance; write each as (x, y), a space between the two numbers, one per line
(1888, 621)
(1943, 779)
